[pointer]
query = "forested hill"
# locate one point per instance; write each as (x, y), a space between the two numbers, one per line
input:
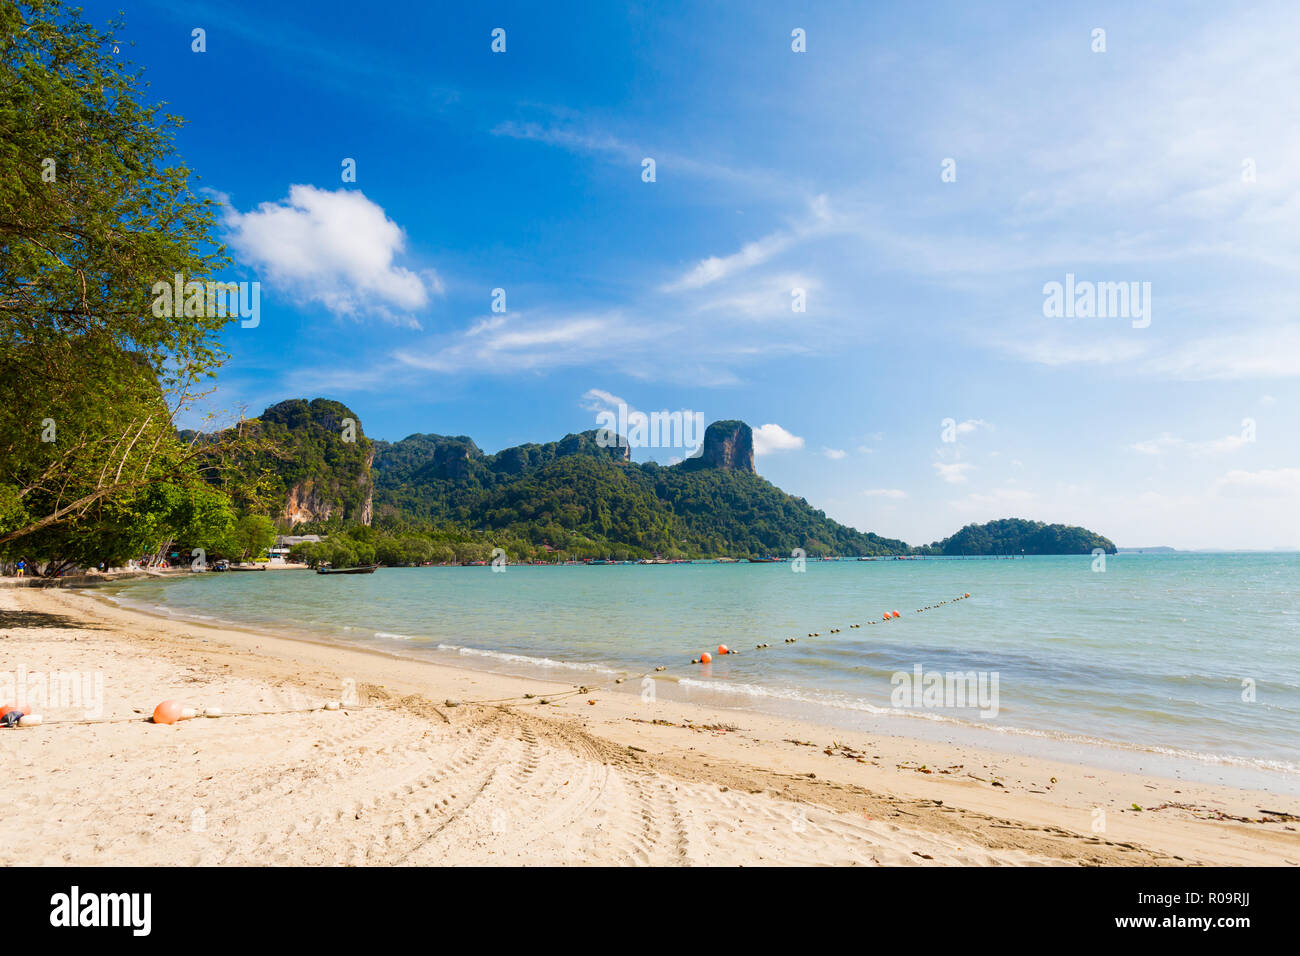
(1012, 536)
(584, 499)
(320, 467)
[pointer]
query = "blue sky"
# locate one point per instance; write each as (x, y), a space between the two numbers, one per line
(1167, 159)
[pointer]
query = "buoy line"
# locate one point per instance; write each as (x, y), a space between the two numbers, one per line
(704, 658)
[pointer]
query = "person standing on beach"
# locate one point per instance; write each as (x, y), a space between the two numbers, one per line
(22, 566)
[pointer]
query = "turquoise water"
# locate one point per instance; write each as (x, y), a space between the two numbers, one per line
(1150, 654)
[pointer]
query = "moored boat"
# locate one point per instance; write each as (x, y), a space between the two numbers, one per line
(363, 569)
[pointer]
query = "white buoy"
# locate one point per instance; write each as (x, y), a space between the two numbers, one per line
(30, 720)
(331, 705)
(188, 713)
(213, 712)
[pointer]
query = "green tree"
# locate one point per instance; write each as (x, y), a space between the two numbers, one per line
(253, 535)
(95, 209)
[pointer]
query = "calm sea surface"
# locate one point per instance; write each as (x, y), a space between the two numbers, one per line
(1157, 657)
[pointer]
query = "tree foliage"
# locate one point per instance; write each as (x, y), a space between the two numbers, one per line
(586, 501)
(1013, 536)
(94, 210)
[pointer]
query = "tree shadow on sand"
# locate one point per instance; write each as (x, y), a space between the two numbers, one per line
(15, 619)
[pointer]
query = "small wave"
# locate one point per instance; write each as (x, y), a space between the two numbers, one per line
(397, 637)
(525, 659)
(756, 691)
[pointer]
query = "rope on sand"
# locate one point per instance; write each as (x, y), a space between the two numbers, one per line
(209, 714)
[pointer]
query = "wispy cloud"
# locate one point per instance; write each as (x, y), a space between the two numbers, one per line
(524, 342)
(599, 400)
(885, 493)
(714, 268)
(1169, 443)
(1268, 482)
(953, 472)
(579, 135)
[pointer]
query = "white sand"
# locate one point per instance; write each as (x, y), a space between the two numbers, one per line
(403, 779)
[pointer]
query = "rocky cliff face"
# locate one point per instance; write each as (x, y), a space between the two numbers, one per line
(367, 481)
(323, 460)
(305, 502)
(451, 460)
(728, 445)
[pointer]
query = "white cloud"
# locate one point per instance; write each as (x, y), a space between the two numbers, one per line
(968, 426)
(719, 267)
(954, 472)
(1167, 443)
(1263, 351)
(834, 454)
(711, 269)
(774, 438)
(1260, 352)
(523, 342)
(581, 137)
(884, 493)
(1054, 351)
(1269, 482)
(638, 341)
(335, 248)
(486, 324)
(769, 298)
(598, 400)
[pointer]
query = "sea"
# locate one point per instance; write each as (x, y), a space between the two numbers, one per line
(1179, 664)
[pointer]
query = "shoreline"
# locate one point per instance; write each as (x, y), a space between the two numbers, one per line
(1089, 752)
(674, 766)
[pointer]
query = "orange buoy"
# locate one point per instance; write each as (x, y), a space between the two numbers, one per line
(168, 712)
(896, 614)
(886, 617)
(722, 649)
(706, 658)
(967, 594)
(25, 710)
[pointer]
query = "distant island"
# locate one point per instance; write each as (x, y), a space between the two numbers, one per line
(441, 498)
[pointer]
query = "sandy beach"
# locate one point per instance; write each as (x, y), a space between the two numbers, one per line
(397, 776)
